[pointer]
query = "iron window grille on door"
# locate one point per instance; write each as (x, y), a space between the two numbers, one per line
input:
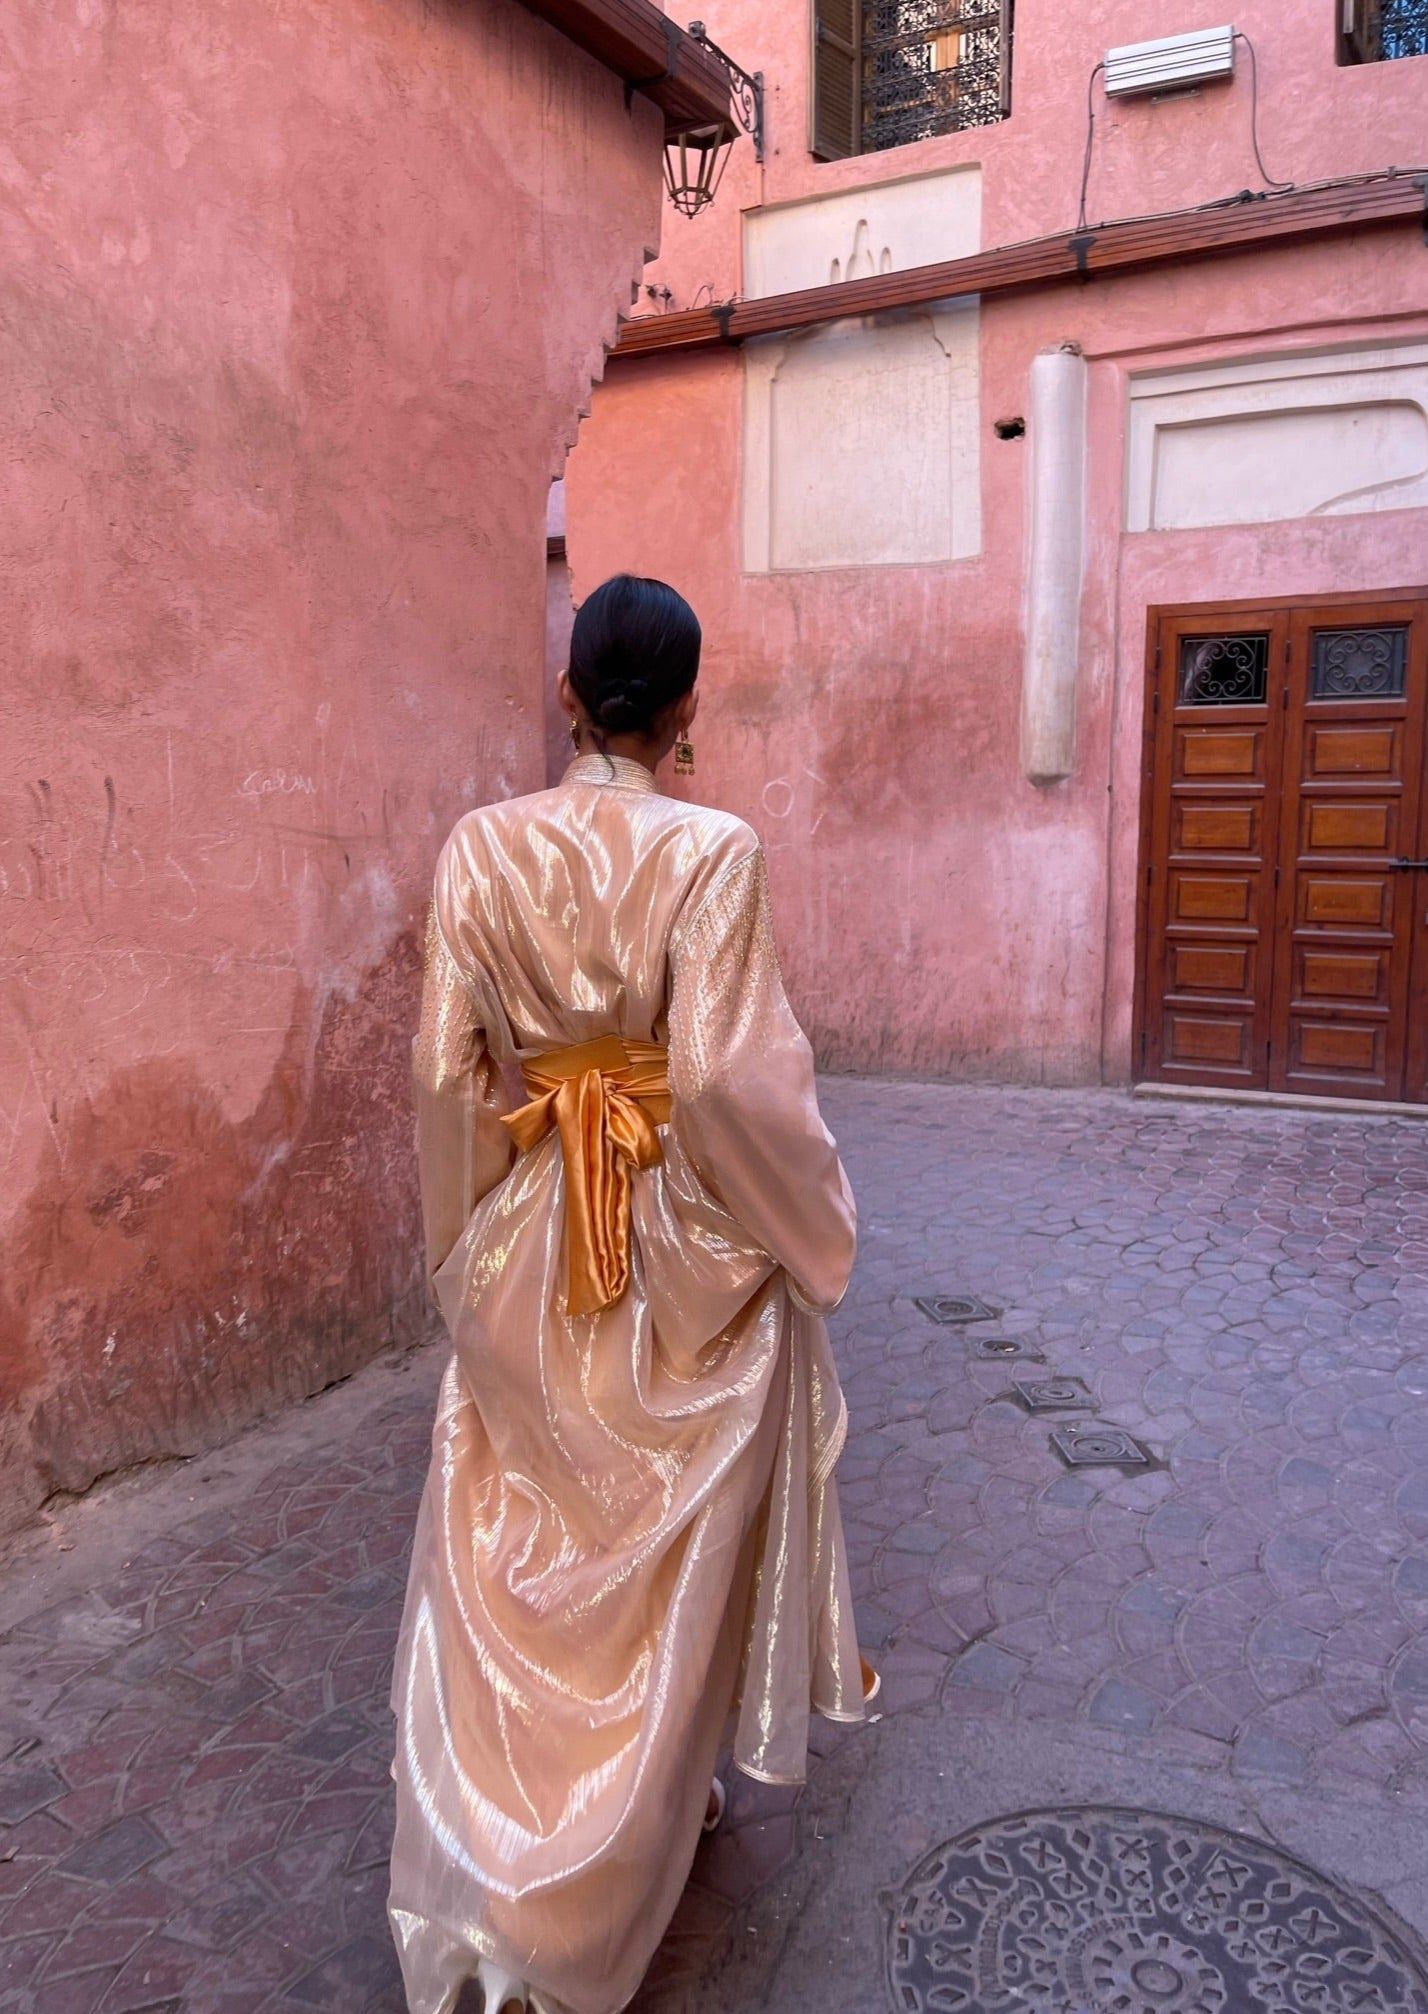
(1377, 31)
(889, 72)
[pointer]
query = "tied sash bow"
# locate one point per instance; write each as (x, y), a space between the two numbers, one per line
(605, 1099)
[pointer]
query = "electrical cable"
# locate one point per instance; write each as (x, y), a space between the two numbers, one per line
(1241, 195)
(1090, 135)
(1356, 181)
(1269, 180)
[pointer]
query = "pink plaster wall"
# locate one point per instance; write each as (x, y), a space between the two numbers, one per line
(300, 307)
(937, 912)
(1316, 118)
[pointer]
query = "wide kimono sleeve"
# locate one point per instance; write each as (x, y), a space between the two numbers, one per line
(745, 1110)
(462, 1149)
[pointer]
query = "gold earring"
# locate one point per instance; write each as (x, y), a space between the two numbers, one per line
(684, 756)
(575, 732)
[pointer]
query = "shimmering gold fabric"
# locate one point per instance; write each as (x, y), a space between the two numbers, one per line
(605, 1099)
(629, 1531)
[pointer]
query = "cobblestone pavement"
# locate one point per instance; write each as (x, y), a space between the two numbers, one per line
(194, 1789)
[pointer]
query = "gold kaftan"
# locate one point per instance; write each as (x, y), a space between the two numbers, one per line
(629, 1527)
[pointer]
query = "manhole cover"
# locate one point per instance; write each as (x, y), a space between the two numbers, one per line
(1099, 1911)
(1096, 1446)
(1002, 1348)
(1054, 1395)
(952, 1309)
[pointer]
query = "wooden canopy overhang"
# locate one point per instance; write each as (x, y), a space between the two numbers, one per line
(649, 53)
(1240, 225)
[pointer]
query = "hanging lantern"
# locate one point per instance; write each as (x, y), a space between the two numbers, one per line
(694, 165)
(694, 162)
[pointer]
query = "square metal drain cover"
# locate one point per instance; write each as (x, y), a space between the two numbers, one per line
(1097, 1446)
(1054, 1394)
(952, 1309)
(1003, 1349)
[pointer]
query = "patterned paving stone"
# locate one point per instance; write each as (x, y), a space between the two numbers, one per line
(193, 1747)
(1282, 1425)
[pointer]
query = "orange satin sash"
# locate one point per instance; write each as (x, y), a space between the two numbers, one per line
(605, 1098)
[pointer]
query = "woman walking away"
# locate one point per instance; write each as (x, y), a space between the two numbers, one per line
(634, 1216)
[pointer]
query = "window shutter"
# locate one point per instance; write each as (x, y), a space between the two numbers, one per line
(836, 96)
(1004, 45)
(1359, 25)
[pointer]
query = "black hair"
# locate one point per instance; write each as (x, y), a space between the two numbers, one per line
(634, 651)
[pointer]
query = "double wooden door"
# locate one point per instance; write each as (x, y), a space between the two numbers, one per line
(1284, 872)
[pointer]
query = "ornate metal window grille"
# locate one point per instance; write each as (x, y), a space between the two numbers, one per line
(933, 66)
(1376, 31)
(1224, 670)
(1358, 663)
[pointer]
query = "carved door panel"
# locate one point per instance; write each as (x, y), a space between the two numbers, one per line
(1350, 814)
(1284, 920)
(1208, 878)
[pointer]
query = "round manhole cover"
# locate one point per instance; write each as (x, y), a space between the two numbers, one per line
(1099, 1911)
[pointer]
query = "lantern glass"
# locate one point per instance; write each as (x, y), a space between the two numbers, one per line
(694, 165)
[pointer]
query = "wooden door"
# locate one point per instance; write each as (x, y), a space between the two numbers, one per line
(1216, 754)
(1350, 796)
(1284, 920)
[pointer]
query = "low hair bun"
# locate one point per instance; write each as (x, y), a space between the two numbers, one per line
(634, 652)
(624, 706)
(621, 712)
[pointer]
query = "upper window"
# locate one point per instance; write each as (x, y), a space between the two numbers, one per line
(887, 72)
(1375, 31)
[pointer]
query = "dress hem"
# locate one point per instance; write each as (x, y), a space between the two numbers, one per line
(823, 1713)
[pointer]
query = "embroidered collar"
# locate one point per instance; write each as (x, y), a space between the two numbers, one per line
(607, 769)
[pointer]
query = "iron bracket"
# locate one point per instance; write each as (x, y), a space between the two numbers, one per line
(671, 60)
(1079, 247)
(746, 88)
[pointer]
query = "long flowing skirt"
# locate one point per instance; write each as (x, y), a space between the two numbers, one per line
(629, 1531)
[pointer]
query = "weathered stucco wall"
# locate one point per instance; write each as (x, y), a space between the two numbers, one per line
(938, 912)
(300, 307)
(1316, 118)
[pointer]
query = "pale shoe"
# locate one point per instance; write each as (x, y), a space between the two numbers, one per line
(718, 1805)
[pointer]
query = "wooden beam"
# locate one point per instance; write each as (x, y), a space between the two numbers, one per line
(649, 52)
(1138, 245)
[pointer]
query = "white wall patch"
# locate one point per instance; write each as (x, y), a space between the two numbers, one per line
(1307, 434)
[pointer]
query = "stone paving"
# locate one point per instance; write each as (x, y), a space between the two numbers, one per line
(193, 1722)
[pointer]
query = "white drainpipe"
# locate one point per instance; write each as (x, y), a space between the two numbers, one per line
(1057, 429)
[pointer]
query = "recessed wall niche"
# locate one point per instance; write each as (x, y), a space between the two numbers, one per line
(1322, 433)
(861, 437)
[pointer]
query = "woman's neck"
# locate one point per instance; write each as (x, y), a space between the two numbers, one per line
(649, 753)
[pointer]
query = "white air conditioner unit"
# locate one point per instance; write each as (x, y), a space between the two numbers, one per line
(1172, 63)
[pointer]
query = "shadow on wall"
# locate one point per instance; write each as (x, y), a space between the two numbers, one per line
(174, 1275)
(559, 618)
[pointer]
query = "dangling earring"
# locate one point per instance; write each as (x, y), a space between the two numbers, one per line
(575, 732)
(684, 756)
